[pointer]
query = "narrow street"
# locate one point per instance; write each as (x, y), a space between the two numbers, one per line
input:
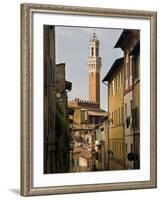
(115, 165)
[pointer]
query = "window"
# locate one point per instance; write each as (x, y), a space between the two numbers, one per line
(110, 144)
(116, 83)
(116, 143)
(101, 119)
(125, 109)
(116, 118)
(86, 115)
(118, 80)
(126, 66)
(96, 120)
(135, 118)
(135, 66)
(131, 106)
(111, 89)
(122, 76)
(122, 147)
(82, 116)
(113, 84)
(92, 51)
(91, 119)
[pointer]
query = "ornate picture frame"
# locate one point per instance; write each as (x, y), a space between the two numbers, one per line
(28, 188)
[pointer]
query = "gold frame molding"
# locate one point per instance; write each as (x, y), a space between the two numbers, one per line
(27, 11)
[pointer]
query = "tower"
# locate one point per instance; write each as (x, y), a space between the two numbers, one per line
(94, 67)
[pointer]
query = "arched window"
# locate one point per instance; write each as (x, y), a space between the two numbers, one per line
(92, 51)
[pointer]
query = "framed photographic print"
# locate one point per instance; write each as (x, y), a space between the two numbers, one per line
(88, 99)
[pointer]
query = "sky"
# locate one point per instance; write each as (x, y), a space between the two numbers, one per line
(72, 49)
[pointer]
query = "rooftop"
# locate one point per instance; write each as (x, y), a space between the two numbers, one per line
(84, 104)
(121, 38)
(84, 153)
(91, 106)
(113, 68)
(127, 35)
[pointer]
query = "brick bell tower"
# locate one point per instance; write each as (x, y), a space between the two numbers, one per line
(94, 67)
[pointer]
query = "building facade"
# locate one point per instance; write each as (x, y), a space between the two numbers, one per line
(115, 77)
(49, 99)
(127, 41)
(124, 104)
(135, 53)
(62, 129)
(56, 122)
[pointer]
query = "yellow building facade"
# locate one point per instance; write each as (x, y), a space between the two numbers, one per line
(115, 79)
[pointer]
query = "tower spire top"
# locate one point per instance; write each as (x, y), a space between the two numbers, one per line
(94, 33)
